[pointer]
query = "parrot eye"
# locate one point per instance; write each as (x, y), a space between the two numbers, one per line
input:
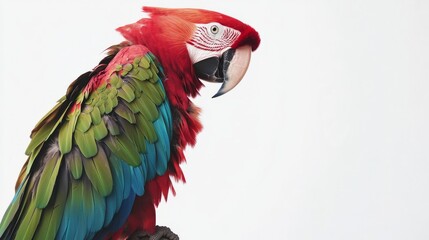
(214, 29)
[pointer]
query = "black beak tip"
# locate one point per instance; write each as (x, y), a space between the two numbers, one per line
(217, 94)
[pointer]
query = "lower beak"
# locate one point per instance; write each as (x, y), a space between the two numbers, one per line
(229, 69)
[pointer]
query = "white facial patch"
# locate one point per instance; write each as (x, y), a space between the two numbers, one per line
(210, 40)
(197, 54)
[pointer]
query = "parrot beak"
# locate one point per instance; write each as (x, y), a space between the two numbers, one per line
(229, 69)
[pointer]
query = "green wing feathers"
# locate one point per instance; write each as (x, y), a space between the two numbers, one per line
(109, 135)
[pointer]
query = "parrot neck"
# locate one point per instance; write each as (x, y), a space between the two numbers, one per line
(181, 81)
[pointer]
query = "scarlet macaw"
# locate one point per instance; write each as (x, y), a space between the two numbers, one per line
(101, 160)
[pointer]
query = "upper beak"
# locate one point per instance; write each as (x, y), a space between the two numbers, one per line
(229, 69)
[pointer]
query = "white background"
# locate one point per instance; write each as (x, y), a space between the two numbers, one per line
(325, 138)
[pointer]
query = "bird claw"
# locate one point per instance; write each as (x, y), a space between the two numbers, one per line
(161, 233)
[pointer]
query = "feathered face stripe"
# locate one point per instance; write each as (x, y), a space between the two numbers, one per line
(213, 37)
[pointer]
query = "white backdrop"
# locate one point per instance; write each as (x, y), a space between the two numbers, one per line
(325, 138)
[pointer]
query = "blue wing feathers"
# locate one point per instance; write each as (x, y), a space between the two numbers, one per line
(72, 222)
(161, 161)
(166, 115)
(116, 197)
(99, 211)
(127, 179)
(137, 181)
(111, 201)
(144, 167)
(150, 160)
(120, 217)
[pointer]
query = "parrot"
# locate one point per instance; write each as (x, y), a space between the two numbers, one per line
(101, 160)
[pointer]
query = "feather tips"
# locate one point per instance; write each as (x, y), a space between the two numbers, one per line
(13, 207)
(74, 163)
(98, 171)
(29, 222)
(66, 133)
(51, 218)
(47, 180)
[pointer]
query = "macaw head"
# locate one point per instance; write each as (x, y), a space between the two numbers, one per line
(196, 44)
